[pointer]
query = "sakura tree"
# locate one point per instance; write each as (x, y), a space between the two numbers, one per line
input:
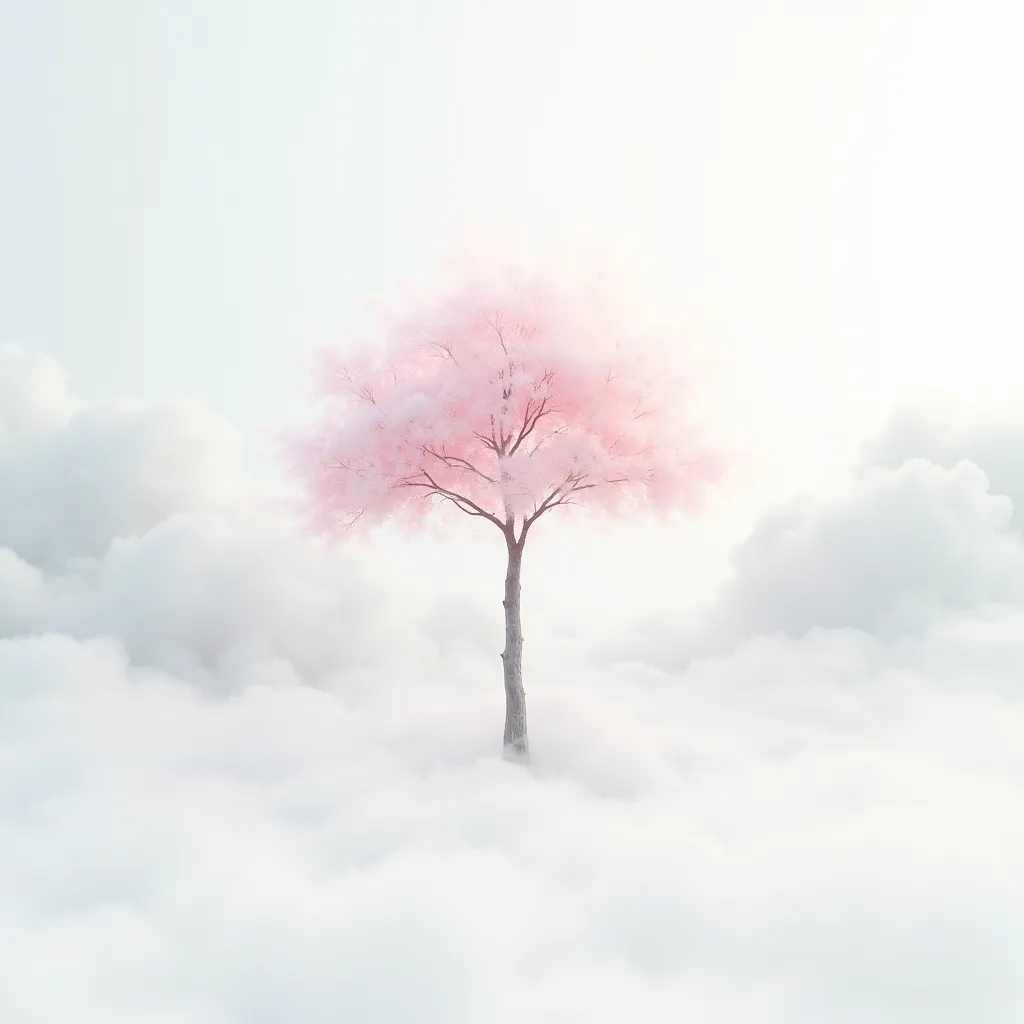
(505, 400)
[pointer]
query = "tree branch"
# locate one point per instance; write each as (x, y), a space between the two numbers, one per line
(496, 324)
(488, 442)
(454, 496)
(445, 349)
(547, 437)
(457, 502)
(562, 495)
(448, 460)
(530, 422)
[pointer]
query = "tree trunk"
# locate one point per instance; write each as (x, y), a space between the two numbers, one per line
(517, 746)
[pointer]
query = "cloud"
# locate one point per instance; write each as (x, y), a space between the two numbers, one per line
(805, 830)
(22, 587)
(34, 396)
(946, 435)
(246, 778)
(907, 544)
(225, 602)
(75, 477)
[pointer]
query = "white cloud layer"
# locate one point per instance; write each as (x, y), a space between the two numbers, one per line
(926, 528)
(75, 478)
(944, 435)
(245, 779)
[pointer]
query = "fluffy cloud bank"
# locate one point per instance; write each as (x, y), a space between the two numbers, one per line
(945, 436)
(244, 779)
(915, 538)
(74, 478)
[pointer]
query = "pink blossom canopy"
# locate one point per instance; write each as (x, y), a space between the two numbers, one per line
(505, 400)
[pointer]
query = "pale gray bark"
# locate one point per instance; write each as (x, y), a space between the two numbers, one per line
(517, 746)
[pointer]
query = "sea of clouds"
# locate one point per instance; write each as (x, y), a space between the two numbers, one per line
(248, 780)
